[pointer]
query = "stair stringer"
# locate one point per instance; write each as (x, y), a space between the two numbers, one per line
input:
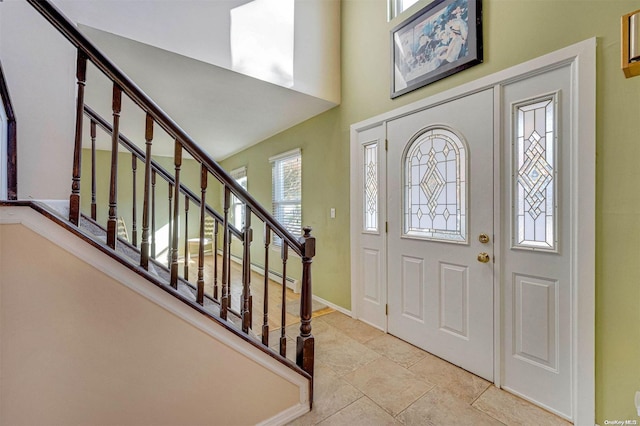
(87, 253)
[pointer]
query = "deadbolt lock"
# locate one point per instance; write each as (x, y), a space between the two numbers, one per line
(483, 238)
(484, 257)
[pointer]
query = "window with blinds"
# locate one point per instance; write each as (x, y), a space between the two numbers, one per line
(237, 207)
(287, 191)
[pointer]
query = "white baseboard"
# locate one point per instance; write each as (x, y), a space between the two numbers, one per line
(332, 305)
(292, 283)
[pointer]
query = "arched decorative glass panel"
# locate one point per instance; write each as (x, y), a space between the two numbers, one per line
(435, 187)
(535, 174)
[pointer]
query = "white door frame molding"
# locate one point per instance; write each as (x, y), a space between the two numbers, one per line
(581, 57)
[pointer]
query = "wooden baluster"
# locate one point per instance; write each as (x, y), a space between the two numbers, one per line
(153, 214)
(247, 305)
(74, 199)
(94, 209)
(265, 303)
(134, 208)
(228, 262)
(144, 245)
(187, 255)
(224, 300)
(215, 260)
(176, 216)
(283, 318)
(305, 344)
(170, 227)
(112, 227)
(203, 193)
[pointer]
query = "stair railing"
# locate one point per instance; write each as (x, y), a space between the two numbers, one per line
(12, 146)
(190, 197)
(304, 246)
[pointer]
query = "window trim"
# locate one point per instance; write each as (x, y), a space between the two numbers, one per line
(239, 173)
(282, 156)
(395, 8)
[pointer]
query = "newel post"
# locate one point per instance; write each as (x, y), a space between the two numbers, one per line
(305, 344)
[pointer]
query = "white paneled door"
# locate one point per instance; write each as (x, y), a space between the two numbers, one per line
(440, 230)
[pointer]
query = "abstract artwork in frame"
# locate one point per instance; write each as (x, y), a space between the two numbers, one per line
(443, 38)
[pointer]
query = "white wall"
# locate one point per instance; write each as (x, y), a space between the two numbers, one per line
(317, 48)
(197, 29)
(202, 30)
(39, 66)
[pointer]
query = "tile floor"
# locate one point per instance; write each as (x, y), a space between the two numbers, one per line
(366, 377)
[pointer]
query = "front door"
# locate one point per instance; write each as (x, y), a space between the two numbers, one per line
(440, 230)
(487, 196)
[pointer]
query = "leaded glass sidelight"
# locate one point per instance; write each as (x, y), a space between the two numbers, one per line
(535, 174)
(371, 187)
(435, 187)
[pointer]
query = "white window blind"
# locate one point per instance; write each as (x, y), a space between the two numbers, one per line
(237, 207)
(287, 191)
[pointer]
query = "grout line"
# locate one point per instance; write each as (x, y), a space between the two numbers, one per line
(343, 408)
(482, 411)
(481, 393)
(378, 405)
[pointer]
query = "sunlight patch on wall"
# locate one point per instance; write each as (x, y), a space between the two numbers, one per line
(162, 243)
(261, 40)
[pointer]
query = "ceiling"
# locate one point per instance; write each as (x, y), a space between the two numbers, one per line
(224, 111)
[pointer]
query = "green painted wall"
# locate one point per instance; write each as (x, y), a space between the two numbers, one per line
(189, 175)
(514, 31)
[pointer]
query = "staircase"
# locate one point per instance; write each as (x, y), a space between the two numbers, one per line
(169, 271)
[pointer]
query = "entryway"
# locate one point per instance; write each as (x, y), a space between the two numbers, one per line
(466, 236)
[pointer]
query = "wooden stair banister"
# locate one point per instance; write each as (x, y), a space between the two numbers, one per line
(303, 246)
(69, 30)
(155, 167)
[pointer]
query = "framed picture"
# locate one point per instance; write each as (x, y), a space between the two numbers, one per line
(443, 38)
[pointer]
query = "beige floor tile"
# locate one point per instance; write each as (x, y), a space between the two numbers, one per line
(331, 394)
(387, 384)
(363, 412)
(396, 350)
(455, 380)
(439, 407)
(355, 329)
(512, 410)
(398, 380)
(335, 318)
(340, 352)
